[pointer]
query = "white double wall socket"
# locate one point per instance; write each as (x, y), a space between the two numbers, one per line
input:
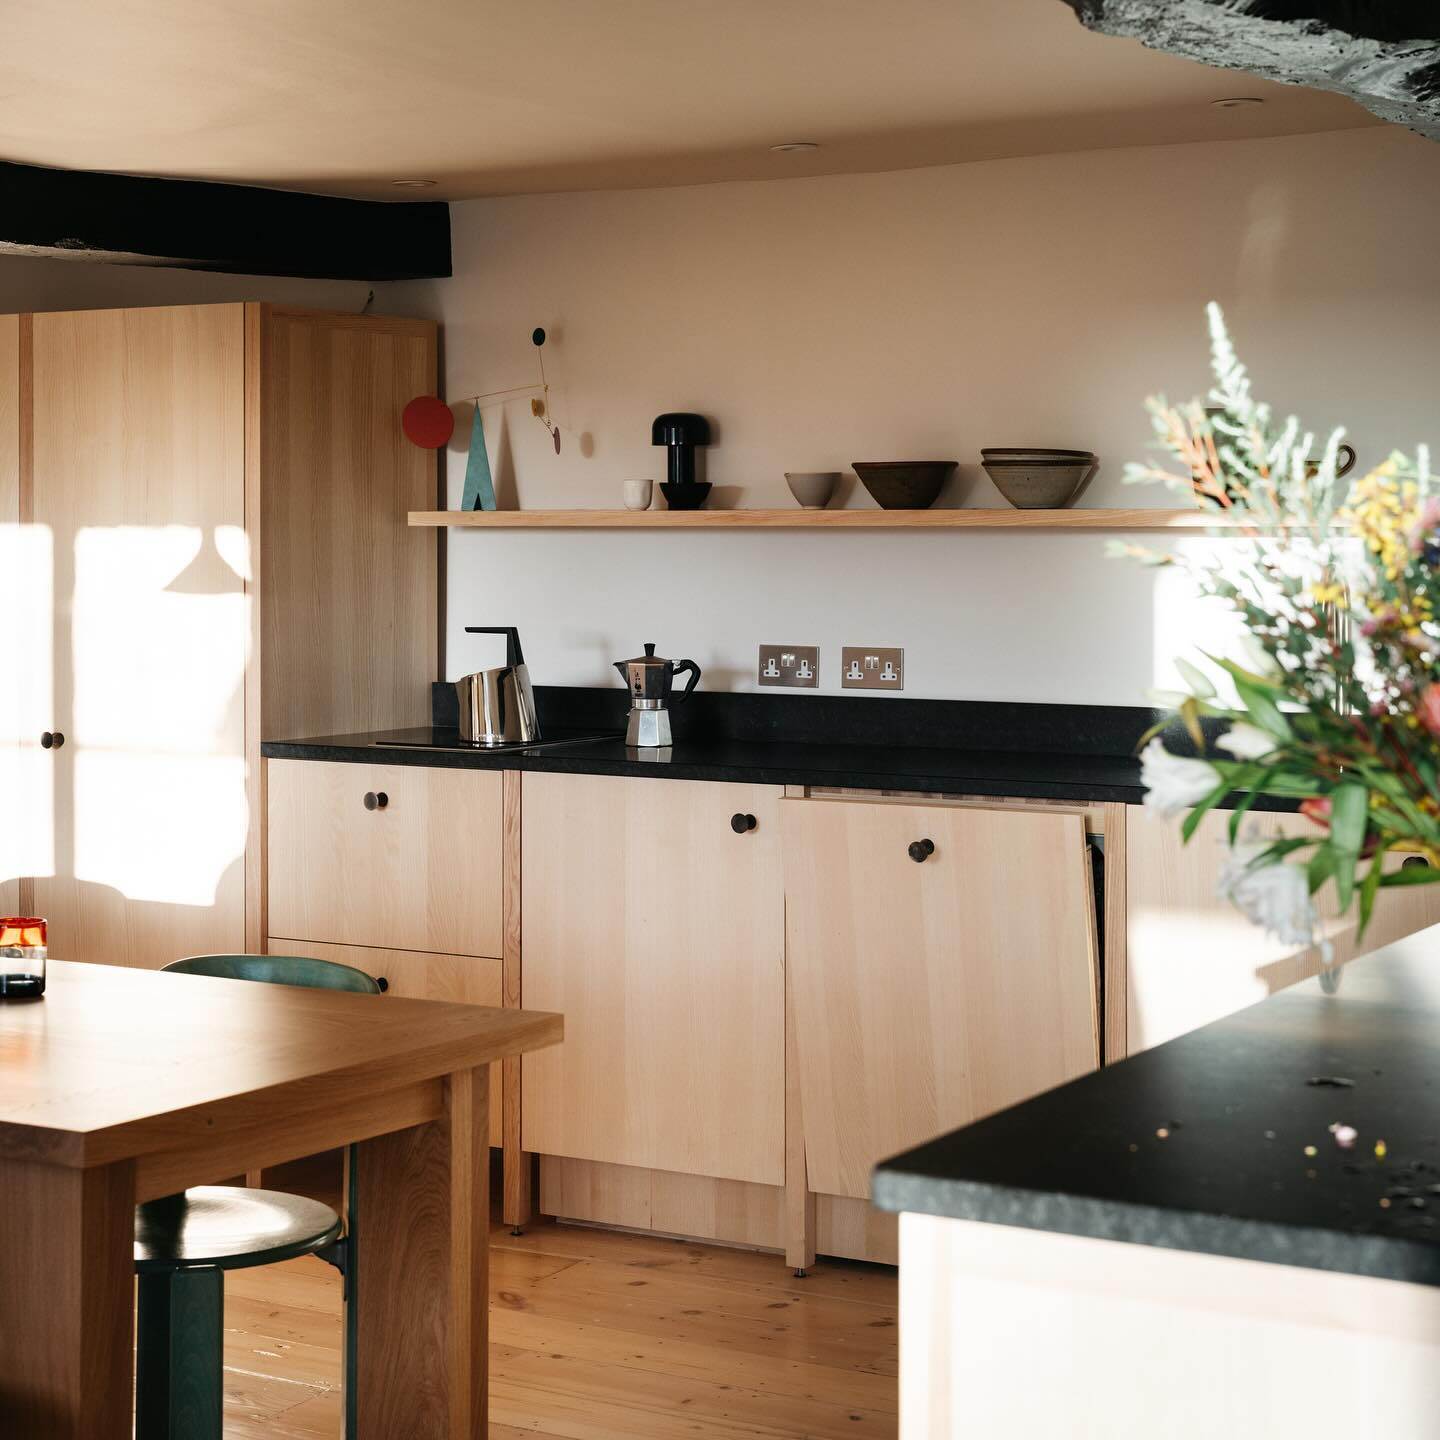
(797, 667)
(872, 667)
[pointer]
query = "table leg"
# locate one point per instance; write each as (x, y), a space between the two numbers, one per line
(66, 1297)
(422, 1278)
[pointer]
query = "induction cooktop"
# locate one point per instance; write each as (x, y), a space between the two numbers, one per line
(440, 737)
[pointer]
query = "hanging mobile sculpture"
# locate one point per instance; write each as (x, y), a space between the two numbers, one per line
(428, 422)
(539, 404)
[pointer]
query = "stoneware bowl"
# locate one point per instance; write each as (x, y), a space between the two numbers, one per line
(1022, 452)
(682, 496)
(812, 488)
(1040, 481)
(904, 484)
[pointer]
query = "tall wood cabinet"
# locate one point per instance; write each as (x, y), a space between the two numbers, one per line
(14, 846)
(207, 509)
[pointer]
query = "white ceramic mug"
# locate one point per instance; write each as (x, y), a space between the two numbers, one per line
(638, 493)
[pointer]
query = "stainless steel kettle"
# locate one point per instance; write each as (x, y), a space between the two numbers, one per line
(497, 707)
(649, 679)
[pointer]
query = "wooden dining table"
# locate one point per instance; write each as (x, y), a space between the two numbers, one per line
(121, 1085)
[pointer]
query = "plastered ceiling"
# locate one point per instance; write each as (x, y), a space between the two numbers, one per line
(344, 96)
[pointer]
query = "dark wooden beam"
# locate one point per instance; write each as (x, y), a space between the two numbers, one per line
(237, 229)
(1385, 54)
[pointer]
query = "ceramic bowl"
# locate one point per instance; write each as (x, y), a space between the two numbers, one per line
(904, 484)
(1007, 454)
(685, 497)
(812, 488)
(1041, 484)
(638, 494)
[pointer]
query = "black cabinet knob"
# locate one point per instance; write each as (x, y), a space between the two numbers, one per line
(921, 850)
(51, 740)
(741, 823)
(1411, 862)
(376, 800)
(383, 983)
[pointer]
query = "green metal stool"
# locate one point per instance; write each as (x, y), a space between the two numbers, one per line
(185, 1243)
(183, 1246)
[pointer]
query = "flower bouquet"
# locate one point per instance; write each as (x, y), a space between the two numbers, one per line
(1335, 701)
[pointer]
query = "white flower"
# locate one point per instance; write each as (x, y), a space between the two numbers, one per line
(1167, 699)
(1196, 679)
(1246, 742)
(1274, 896)
(1255, 658)
(1172, 783)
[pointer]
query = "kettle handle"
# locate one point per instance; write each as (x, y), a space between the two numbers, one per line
(513, 654)
(678, 668)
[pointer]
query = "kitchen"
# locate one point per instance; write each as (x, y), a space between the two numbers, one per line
(735, 926)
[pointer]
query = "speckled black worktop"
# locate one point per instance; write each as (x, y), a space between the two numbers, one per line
(1074, 753)
(1239, 1104)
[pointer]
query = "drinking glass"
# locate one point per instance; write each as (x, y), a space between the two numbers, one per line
(23, 945)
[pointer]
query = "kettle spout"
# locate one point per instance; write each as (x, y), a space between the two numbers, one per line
(624, 674)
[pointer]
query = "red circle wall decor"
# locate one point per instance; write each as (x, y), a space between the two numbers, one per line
(427, 422)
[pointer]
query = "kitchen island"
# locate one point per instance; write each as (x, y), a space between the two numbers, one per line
(1235, 1233)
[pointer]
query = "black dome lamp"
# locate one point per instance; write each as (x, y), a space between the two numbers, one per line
(681, 432)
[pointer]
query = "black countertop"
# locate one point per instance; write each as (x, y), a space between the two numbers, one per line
(866, 767)
(1071, 753)
(1239, 1102)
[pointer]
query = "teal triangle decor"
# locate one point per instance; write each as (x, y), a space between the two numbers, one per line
(479, 487)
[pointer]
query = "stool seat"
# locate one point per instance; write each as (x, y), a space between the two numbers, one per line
(228, 1228)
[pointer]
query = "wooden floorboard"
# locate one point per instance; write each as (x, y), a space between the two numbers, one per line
(597, 1335)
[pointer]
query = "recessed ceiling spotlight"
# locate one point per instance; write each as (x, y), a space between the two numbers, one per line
(413, 184)
(791, 147)
(1237, 102)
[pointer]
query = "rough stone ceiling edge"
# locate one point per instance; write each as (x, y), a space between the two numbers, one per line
(1383, 54)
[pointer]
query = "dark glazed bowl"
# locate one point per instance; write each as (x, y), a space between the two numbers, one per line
(683, 496)
(904, 484)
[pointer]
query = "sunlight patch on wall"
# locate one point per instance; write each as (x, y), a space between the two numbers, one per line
(1187, 625)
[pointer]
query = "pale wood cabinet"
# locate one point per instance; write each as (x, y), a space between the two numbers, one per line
(461, 979)
(1191, 957)
(397, 857)
(928, 992)
(657, 930)
(203, 519)
(15, 847)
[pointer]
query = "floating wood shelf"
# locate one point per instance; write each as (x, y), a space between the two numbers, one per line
(797, 519)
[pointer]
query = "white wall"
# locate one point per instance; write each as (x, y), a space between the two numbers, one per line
(920, 314)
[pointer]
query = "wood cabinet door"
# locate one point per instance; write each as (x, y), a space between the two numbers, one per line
(929, 994)
(138, 489)
(461, 979)
(422, 871)
(657, 930)
(15, 581)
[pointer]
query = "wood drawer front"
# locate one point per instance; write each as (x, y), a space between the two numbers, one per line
(928, 994)
(463, 979)
(423, 873)
(658, 932)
